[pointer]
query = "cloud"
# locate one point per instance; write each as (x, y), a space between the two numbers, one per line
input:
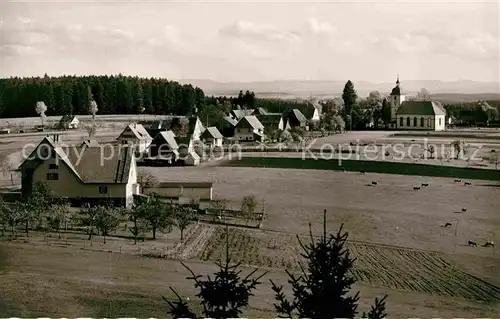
(443, 41)
(13, 50)
(243, 29)
(318, 27)
(25, 36)
(251, 50)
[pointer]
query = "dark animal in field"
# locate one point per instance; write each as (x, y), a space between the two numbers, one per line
(342, 169)
(467, 183)
(416, 188)
(425, 184)
(374, 183)
(447, 225)
(464, 210)
(362, 172)
(473, 244)
(493, 151)
(489, 244)
(457, 181)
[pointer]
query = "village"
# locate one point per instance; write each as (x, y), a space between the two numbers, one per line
(204, 159)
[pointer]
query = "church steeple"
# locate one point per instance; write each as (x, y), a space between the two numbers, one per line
(397, 81)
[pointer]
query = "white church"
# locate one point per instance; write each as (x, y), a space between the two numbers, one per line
(415, 115)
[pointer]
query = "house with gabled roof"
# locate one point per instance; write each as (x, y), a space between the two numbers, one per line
(212, 137)
(421, 115)
(164, 146)
(272, 121)
(136, 135)
(295, 118)
(195, 128)
(82, 174)
(249, 129)
(187, 152)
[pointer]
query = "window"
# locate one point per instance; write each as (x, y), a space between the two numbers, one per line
(401, 121)
(53, 166)
(407, 121)
(429, 122)
(52, 176)
(439, 121)
(422, 122)
(103, 189)
(415, 121)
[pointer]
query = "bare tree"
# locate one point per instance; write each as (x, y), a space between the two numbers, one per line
(40, 109)
(249, 207)
(106, 220)
(146, 179)
(184, 217)
(423, 95)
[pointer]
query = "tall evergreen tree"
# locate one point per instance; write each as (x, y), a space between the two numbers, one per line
(349, 96)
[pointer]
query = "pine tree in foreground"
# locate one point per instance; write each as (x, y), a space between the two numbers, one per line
(322, 290)
(224, 296)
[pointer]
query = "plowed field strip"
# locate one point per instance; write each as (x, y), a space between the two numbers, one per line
(395, 268)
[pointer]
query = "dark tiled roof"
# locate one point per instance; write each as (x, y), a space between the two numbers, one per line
(92, 166)
(421, 108)
(103, 165)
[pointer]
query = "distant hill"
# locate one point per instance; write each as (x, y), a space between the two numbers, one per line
(455, 91)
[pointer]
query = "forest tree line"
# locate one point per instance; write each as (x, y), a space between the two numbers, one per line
(113, 95)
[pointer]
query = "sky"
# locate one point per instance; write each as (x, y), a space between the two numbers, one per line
(253, 41)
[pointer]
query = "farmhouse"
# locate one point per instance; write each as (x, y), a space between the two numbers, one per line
(195, 128)
(187, 153)
(249, 128)
(295, 118)
(312, 112)
(272, 121)
(86, 174)
(228, 126)
(212, 137)
(136, 135)
(164, 146)
(69, 122)
(421, 115)
(189, 191)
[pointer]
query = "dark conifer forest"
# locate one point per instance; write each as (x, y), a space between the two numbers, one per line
(113, 95)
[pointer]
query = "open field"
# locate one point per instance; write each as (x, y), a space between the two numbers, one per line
(390, 213)
(78, 283)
